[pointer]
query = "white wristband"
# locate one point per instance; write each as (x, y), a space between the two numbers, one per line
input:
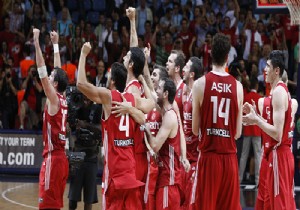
(42, 72)
(55, 48)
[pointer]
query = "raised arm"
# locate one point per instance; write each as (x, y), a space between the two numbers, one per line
(130, 12)
(49, 90)
(54, 39)
(147, 78)
(99, 95)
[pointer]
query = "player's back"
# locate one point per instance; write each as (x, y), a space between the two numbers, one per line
(54, 127)
(118, 145)
(219, 113)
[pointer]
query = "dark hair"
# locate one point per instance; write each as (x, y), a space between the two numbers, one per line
(169, 86)
(119, 76)
(61, 78)
(253, 83)
(179, 60)
(138, 59)
(220, 49)
(196, 67)
(26, 49)
(277, 60)
(162, 71)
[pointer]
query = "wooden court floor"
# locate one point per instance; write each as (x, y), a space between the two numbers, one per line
(24, 196)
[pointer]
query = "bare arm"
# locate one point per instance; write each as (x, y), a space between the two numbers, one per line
(49, 90)
(130, 12)
(279, 103)
(167, 126)
(240, 96)
(54, 38)
(99, 95)
(197, 93)
(147, 78)
(184, 160)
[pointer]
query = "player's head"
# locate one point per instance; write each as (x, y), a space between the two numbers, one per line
(166, 91)
(275, 66)
(220, 49)
(192, 70)
(59, 79)
(277, 60)
(118, 76)
(157, 74)
(134, 61)
(175, 63)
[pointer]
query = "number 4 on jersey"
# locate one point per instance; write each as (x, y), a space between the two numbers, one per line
(218, 109)
(124, 124)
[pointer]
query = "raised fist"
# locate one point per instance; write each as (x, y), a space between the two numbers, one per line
(54, 37)
(86, 48)
(130, 12)
(36, 34)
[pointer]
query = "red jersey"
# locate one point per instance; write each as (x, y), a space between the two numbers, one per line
(54, 127)
(169, 172)
(219, 113)
(266, 115)
(190, 138)
(138, 85)
(285, 140)
(154, 119)
(252, 130)
(118, 143)
(178, 98)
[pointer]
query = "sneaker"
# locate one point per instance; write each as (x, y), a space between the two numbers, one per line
(21, 127)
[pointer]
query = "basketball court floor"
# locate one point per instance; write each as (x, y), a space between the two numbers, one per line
(19, 192)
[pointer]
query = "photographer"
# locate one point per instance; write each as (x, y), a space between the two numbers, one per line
(86, 120)
(8, 104)
(31, 104)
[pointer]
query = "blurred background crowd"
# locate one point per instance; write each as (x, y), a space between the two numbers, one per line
(164, 24)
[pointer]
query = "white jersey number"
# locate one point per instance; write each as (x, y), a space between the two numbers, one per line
(218, 109)
(64, 116)
(124, 124)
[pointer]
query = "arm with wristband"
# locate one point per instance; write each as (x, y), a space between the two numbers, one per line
(50, 92)
(54, 39)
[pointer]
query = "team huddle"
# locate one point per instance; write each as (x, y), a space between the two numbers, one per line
(169, 137)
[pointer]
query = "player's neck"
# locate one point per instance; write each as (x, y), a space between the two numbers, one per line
(166, 107)
(130, 77)
(220, 69)
(177, 79)
(275, 82)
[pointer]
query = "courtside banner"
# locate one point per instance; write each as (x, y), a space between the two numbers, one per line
(20, 151)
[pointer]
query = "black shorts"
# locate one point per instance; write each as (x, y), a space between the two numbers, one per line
(85, 178)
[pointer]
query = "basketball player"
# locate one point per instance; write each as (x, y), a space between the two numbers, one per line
(174, 65)
(121, 187)
(167, 145)
(280, 173)
(55, 166)
(217, 118)
(191, 72)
